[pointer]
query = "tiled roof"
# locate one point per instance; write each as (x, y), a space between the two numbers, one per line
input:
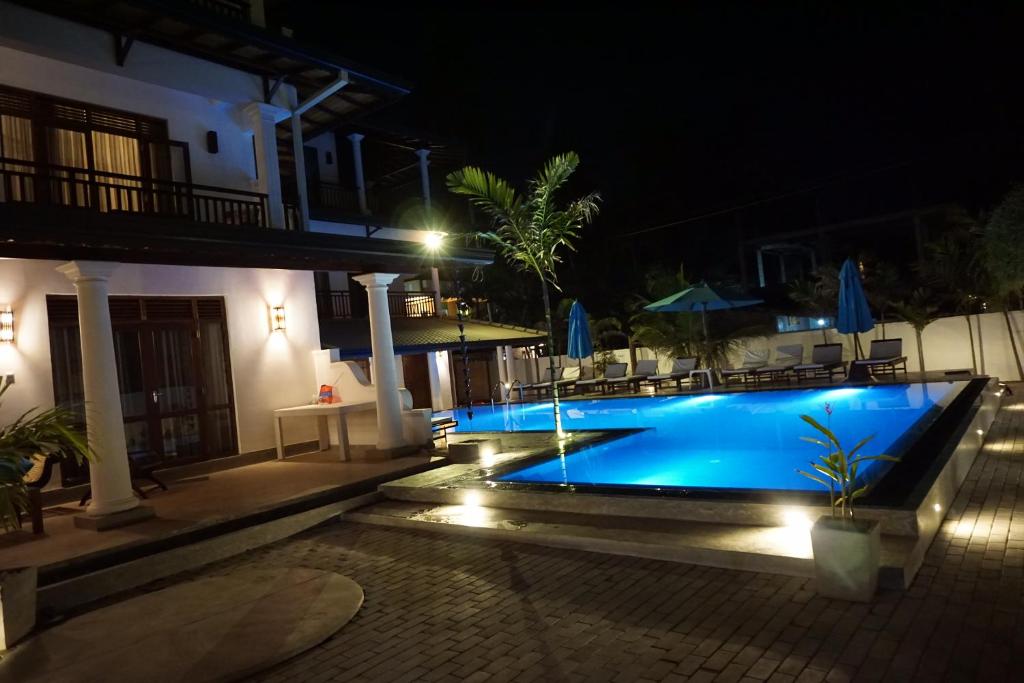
(416, 335)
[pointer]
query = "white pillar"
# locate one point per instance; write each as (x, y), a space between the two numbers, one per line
(499, 353)
(434, 372)
(435, 282)
(385, 376)
(357, 160)
(510, 364)
(109, 476)
(300, 171)
(262, 118)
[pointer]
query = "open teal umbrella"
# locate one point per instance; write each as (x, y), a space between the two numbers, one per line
(580, 344)
(854, 315)
(703, 298)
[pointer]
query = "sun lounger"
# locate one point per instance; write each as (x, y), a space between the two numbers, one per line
(886, 357)
(611, 371)
(752, 360)
(644, 369)
(544, 386)
(679, 373)
(787, 357)
(826, 361)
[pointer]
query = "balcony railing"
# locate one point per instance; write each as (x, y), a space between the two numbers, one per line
(236, 9)
(34, 183)
(338, 304)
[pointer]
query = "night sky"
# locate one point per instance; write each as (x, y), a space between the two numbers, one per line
(802, 114)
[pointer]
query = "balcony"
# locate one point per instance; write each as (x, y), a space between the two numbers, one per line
(27, 182)
(337, 305)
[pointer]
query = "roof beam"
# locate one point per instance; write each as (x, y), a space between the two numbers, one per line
(323, 93)
(122, 46)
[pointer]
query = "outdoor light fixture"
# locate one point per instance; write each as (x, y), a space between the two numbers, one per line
(821, 322)
(434, 240)
(277, 319)
(6, 324)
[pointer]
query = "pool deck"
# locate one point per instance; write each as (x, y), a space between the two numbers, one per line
(449, 608)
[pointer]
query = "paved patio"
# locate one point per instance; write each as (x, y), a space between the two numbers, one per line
(442, 608)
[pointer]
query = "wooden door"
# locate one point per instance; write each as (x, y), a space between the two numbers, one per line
(416, 370)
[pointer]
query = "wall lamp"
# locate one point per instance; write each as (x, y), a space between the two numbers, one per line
(277, 318)
(6, 324)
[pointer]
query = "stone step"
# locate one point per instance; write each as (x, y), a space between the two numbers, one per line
(779, 550)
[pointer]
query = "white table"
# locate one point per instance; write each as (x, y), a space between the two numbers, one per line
(321, 411)
(709, 377)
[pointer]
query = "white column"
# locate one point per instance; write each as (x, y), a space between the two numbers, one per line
(510, 364)
(110, 477)
(300, 171)
(262, 118)
(435, 282)
(357, 160)
(499, 353)
(385, 376)
(434, 372)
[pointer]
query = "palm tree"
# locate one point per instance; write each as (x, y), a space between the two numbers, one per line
(530, 228)
(954, 268)
(50, 433)
(1003, 249)
(882, 284)
(918, 310)
(820, 294)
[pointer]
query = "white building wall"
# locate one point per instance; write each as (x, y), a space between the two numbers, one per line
(324, 143)
(52, 56)
(269, 370)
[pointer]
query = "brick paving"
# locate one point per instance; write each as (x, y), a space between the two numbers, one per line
(444, 608)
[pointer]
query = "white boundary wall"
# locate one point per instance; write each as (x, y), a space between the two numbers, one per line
(947, 346)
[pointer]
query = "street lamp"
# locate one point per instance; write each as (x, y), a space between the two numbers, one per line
(434, 241)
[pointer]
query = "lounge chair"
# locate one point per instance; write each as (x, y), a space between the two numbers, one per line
(886, 357)
(679, 373)
(826, 360)
(585, 373)
(644, 369)
(787, 357)
(611, 371)
(752, 360)
(544, 386)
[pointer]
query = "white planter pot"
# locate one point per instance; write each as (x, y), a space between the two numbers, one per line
(17, 605)
(846, 557)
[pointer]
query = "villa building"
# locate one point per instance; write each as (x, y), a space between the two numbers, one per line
(186, 244)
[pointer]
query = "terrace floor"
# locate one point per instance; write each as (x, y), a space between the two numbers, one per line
(446, 608)
(196, 502)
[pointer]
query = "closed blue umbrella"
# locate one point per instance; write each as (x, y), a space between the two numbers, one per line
(854, 315)
(580, 344)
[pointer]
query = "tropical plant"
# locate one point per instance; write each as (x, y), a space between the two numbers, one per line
(882, 285)
(919, 310)
(955, 270)
(50, 433)
(1003, 249)
(838, 468)
(530, 229)
(819, 294)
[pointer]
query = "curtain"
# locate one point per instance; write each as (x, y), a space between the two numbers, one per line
(119, 155)
(16, 143)
(66, 148)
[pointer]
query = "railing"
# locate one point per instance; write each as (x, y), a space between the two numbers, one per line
(34, 183)
(338, 304)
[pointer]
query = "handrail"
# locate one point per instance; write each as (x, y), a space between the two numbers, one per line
(31, 182)
(338, 304)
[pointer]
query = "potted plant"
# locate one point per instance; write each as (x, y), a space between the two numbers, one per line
(35, 433)
(846, 549)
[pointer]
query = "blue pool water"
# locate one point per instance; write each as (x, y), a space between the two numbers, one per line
(722, 441)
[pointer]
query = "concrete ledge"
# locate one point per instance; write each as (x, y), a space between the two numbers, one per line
(115, 520)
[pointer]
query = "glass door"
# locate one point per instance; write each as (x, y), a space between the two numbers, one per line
(174, 388)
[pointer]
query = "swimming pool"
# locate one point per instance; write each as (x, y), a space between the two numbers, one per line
(744, 441)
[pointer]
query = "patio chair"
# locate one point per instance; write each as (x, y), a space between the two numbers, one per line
(679, 373)
(544, 386)
(886, 357)
(585, 373)
(752, 360)
(787, 357)
(826, 361)
(644, 369)
(36, 479)
(611, 371)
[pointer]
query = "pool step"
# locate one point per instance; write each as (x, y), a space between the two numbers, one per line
(774, 549)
